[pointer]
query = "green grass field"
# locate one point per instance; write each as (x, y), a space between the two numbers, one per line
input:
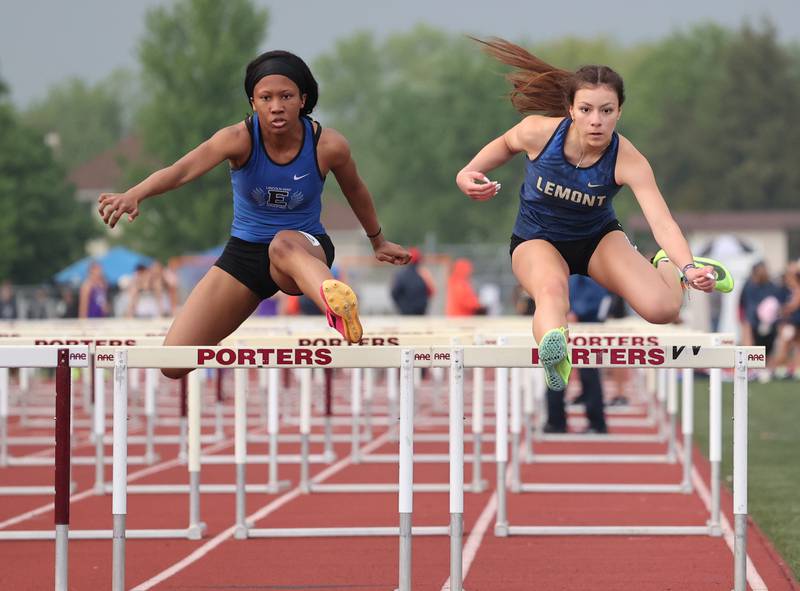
(773, 457)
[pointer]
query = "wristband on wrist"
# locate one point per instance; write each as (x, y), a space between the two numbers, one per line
(376, 234)
(688, 266)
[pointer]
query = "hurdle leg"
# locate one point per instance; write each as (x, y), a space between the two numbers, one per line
(119, 469)
(305, 427)
(391, 394)
(501, 448)
(369, 382)
(219, 430)
(740, 471)
(3, 416)
(355, 406)
(329, 454)
(715, 446)
(529, 377)
(240, 448)
(456, 467)
(478, 483)
(406, 469)
(183, 427)
(99, 429)
(516, 427)
(150, 381)
(274, 485)
(672, 413)
(196, 527)
(687, 426)
(62, 469)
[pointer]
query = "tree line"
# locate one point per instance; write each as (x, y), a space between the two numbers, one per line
(711, 108)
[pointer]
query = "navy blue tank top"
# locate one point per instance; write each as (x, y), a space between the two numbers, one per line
(270, 197)
(558, 201)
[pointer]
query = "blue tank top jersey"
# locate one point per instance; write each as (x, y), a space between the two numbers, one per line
(270, 197)
(561, 202)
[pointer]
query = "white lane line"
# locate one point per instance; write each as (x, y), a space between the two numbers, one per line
(260, 514)
(753, 578)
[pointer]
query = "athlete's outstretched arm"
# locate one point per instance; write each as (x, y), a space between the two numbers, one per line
(228, 142)
(634, 170)
(355, 191)
(525, 136)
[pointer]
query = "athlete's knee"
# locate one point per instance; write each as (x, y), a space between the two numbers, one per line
(282, 246)
(551, 292)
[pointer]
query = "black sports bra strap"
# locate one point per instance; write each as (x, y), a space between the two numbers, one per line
(317, 131)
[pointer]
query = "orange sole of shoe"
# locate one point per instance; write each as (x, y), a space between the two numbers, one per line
(343, 302)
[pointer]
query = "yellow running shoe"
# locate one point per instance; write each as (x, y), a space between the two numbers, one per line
(554, 355)
(342, 309)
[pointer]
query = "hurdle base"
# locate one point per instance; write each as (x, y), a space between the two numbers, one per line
(501, 530)
(608, 530)
(196, 531)
(276, 487)
(477, 487)
(240, 533)
(714, 530)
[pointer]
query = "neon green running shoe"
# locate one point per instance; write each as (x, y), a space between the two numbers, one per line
(724, 279)
(554, 356)
(659, 256)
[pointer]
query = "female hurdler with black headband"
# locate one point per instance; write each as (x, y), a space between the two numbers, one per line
(575, 164)
(279, 158)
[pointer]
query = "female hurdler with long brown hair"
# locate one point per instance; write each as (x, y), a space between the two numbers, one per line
(575, 164)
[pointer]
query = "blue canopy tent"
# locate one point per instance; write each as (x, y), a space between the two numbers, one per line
(116, 263)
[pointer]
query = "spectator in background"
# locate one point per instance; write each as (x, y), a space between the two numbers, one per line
(461, 297)
(39, 308)
(8, 301)
(153, 292)
(787, 342)
(760, 308)
(93, 299)
(142, 301)
(588, 303)
(413, 286)
(164, 284)
(489, 297)
(67, 306)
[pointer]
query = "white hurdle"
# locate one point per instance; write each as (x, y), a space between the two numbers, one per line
(193, 357)
(63, 359)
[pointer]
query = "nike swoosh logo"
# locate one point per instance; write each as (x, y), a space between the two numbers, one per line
(297, 178)
(592, 185)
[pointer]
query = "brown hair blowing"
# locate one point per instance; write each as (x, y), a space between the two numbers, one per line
(538, 87)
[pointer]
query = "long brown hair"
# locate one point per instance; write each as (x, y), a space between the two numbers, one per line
(538, 87)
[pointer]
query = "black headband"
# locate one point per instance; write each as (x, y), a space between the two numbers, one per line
(275, 65)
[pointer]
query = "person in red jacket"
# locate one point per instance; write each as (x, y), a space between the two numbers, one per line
(461, 297)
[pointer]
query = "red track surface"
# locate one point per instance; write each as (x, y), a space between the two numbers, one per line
(218, 561)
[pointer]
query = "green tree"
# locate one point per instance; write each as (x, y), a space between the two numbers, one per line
(87, 119)
(193, 57)
(709, 109)
(42, 227)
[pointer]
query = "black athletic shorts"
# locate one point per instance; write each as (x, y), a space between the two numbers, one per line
(576, 253)
(248, 263)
